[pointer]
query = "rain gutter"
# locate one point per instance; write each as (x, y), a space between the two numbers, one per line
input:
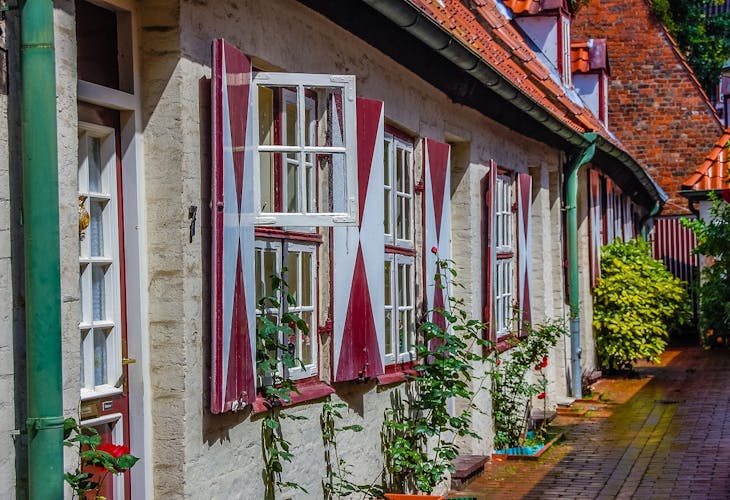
(411, 19)
(42, 251)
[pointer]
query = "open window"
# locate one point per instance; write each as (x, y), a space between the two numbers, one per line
(305, 156)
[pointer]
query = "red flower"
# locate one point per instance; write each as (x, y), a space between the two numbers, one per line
(538, 366)
(499, 362)
(541, 395)
(115, 450)
(434, 250)
(293, 325)
(544, 361)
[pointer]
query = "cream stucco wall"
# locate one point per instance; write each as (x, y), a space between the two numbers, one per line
(195, 454)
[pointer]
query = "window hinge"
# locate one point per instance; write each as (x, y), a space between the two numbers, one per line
(128, 361)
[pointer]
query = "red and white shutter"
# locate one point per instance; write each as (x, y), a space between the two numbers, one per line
(491, 250)
(524, 244)
(358, 260)
(233, 302)
(437, 219)
(595, 213)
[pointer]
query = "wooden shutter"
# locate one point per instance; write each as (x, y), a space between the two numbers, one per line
(491, 250)
(595, 213)
(437, 219)
(524, 245)
(358, 260)
(233, 301)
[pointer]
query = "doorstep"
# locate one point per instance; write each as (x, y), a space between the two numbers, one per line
(466, 468)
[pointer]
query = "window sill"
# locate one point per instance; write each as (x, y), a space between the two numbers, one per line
(396, 373)
(307, 392)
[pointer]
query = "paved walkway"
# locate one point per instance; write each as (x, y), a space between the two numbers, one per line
(664, 435)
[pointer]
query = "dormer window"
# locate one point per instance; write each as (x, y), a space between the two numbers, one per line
(589, 64)
(547, 23)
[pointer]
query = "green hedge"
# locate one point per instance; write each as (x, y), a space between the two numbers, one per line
(635, 304)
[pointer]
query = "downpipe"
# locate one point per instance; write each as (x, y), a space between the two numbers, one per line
(42, 251)
(571, 194)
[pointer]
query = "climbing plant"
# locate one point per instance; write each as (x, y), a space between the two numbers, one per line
(713, 239)
(275, 354)
(513, 388)
(419, 433)
(635, 304)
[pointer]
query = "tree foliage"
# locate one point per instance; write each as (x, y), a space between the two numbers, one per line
(634, 306)
(705, 41)
(713, 239)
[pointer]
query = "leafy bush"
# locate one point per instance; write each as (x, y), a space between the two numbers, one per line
(635, 304)
(713, 239)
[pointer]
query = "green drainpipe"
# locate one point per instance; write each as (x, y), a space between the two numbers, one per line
(644, 222)
(571, 205)
(42, 260)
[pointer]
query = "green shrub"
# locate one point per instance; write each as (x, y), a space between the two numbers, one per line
(713, 239)
(634, 306)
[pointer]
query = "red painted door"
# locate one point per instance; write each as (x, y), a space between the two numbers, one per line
(102, 324)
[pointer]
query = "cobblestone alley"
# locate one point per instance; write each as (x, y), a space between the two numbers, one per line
(663, 435)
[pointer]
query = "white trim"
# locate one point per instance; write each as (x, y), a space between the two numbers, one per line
(105, 96)
(135, 254)
(346, 85)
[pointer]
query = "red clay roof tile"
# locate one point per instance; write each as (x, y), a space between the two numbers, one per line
(521, 6)
(491, 36)
(714, 173)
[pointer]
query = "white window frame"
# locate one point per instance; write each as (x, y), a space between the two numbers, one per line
(505, 267)
(110, 260)
(282, 248)
(346, 84)
(398, 306)
(397, 198)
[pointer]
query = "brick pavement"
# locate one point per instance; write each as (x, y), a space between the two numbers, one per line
(664, 435)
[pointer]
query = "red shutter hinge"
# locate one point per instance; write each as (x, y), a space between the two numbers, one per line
(419, 187)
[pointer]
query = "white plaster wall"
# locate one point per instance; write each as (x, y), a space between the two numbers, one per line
(588, 345)
(222, 453)
(10, 314)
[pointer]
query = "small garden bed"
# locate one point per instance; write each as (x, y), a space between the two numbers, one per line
(527, 452)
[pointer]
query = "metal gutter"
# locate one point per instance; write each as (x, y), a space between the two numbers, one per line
(571, 208)
(42, 251)
(411, 19)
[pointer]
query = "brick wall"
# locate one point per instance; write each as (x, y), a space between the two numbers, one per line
(656, 107)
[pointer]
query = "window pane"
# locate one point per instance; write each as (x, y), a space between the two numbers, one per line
(292, 275)
(95, 165)
(291, 135)
(338, 195)
(388, 332)
(330, 126)
(100, 357)
(292, 183)
(306, 340)
(307, 282)
(388, 296)
(98, 298)
(96, 229)
(83, 358)
(266, 115)
(386, 219)
(310, 186)
(267, 182)
(402, 332)
(270, 269)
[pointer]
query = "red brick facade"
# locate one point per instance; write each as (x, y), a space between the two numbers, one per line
(656, 106)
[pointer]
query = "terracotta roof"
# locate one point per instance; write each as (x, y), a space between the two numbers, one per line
(588, 56)
(496, 40)
(533, 6)
(713, 174)
(522, 6)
